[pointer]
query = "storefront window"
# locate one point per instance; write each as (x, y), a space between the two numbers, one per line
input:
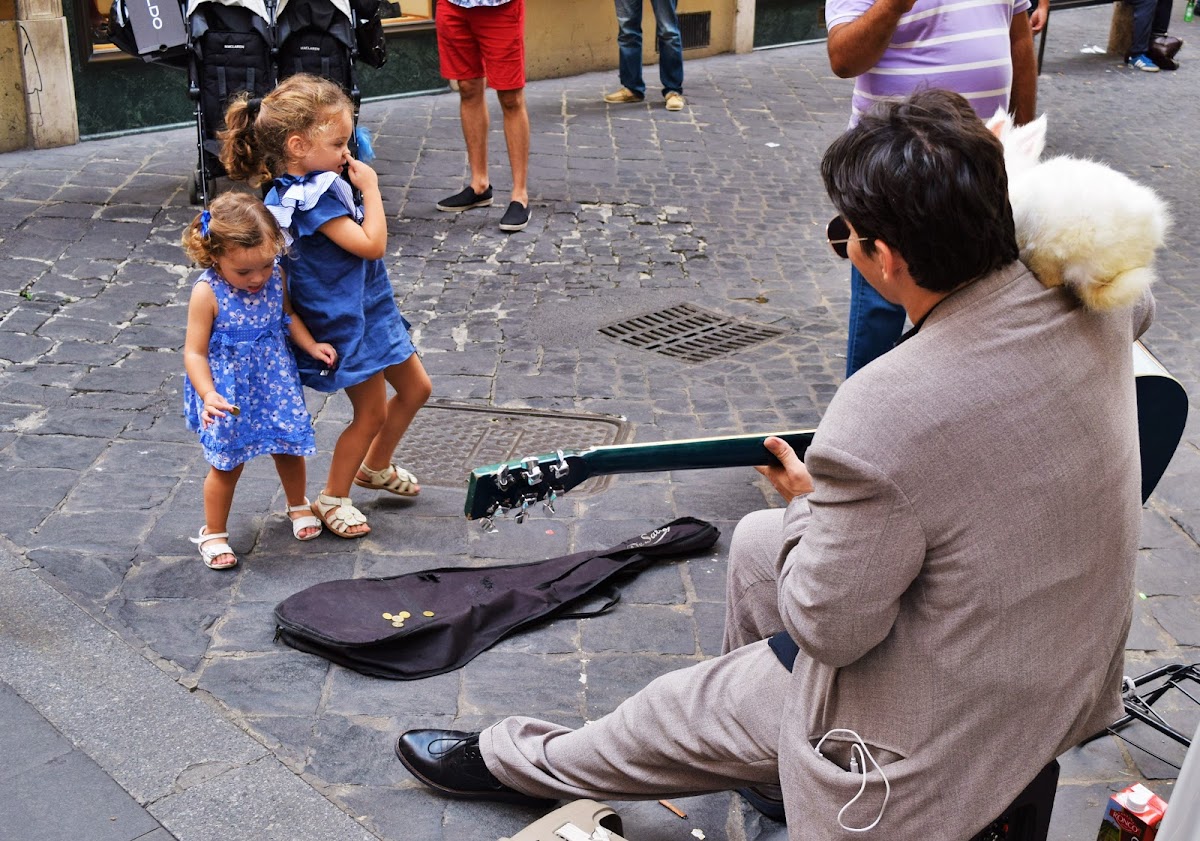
(91, 32)
(409, 12)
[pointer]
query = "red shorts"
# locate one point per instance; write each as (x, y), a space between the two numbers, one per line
(483, 41)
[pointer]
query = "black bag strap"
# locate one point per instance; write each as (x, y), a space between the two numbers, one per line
(612, 596)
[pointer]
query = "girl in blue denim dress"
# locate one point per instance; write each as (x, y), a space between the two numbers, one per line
(296, 138)
(242, 394)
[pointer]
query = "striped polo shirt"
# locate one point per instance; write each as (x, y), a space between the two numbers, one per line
(959, 45)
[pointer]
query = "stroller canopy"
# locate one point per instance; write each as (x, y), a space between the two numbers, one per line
(258, 7)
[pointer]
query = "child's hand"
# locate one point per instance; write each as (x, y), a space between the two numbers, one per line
(215, 406)
(362, 176)
(324, 352)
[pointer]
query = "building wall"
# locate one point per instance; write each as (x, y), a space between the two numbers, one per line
(563, 38)
(558, 44)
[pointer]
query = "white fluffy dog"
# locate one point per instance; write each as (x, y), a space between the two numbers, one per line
(1079, 222)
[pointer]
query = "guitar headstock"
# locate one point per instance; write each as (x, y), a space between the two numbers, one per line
(518, 485)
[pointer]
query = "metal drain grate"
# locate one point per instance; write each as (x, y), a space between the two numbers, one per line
(690, 334)
(448, 440)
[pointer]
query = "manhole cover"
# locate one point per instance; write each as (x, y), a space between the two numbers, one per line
(448, 440)
(689, 333)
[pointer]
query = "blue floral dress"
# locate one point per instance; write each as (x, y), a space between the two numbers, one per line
(344, 300)
(253, 368)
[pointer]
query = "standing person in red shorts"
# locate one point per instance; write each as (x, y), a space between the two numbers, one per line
(483, 41)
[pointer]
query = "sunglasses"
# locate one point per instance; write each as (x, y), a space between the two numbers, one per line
(838, 234)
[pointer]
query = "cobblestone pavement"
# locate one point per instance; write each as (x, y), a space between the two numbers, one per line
(167, 675)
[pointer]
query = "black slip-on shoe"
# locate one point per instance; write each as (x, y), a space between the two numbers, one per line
(466, 199)
(515, 218)
(450, 762)
(768, 806)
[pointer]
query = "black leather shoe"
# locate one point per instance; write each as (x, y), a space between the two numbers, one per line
(450, 761)
(768, 806)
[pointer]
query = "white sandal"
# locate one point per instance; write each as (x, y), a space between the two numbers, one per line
(209, 552)
(392, 479)
(299, 524)
(339, 515)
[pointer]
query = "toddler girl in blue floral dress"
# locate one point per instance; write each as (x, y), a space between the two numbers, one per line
(242, 393)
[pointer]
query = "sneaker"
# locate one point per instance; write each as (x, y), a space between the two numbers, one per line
(466, 200)
(675, 101)
(1142, 62)
(515, 218)
(623, 95)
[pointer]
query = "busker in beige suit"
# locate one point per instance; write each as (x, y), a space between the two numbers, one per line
(953, 572)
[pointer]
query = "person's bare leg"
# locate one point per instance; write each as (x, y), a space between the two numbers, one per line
(474, 113)
(369, 400)
(293, 476)
(219, 486)
(516, 137)
(412, 387)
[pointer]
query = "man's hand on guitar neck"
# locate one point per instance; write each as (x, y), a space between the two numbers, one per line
(791, 477)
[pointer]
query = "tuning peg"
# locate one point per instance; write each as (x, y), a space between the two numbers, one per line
(487, 521)
(523, 511)
(502, 477)
(560, 468)
(533, 473)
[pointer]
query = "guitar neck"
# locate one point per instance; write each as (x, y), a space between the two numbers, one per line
(690, 454)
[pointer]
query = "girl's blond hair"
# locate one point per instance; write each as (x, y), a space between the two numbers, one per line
(254, 142)
(236, 220)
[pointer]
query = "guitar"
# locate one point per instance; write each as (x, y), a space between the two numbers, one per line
(1162, 408)
(516, 485)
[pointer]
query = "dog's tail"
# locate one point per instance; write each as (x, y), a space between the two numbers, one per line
(1113, 293)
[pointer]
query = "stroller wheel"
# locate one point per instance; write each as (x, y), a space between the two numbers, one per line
(195, 196)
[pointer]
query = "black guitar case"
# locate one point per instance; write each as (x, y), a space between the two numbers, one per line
(433, 621)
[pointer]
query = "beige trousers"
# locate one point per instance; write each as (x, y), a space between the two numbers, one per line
(710, 727)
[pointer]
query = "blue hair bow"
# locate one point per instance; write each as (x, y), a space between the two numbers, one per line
(205, 219)
(362, 138)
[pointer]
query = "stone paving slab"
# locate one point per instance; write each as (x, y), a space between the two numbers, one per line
(106, 609)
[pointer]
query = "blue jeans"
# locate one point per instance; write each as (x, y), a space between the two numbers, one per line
(1149, 17)
(670, 45)
(875, 323)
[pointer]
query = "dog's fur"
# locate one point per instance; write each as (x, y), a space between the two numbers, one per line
(1079, 222)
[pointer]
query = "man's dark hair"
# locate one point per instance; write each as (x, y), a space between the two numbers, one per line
(926, 176)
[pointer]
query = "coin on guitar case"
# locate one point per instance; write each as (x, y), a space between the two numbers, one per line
(397, 623)
(387, 616)
(404, 614)
(427, 613)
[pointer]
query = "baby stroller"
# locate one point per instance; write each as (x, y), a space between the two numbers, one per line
(230, 51)
(250, 45)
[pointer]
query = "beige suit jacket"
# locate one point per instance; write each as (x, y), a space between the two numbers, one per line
(960, 580)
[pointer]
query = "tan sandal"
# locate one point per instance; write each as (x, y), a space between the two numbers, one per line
(209, 552)
(339, 515)
(392, 479)
(299, 524)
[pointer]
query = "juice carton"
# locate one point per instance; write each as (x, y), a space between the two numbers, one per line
(1132, 815)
